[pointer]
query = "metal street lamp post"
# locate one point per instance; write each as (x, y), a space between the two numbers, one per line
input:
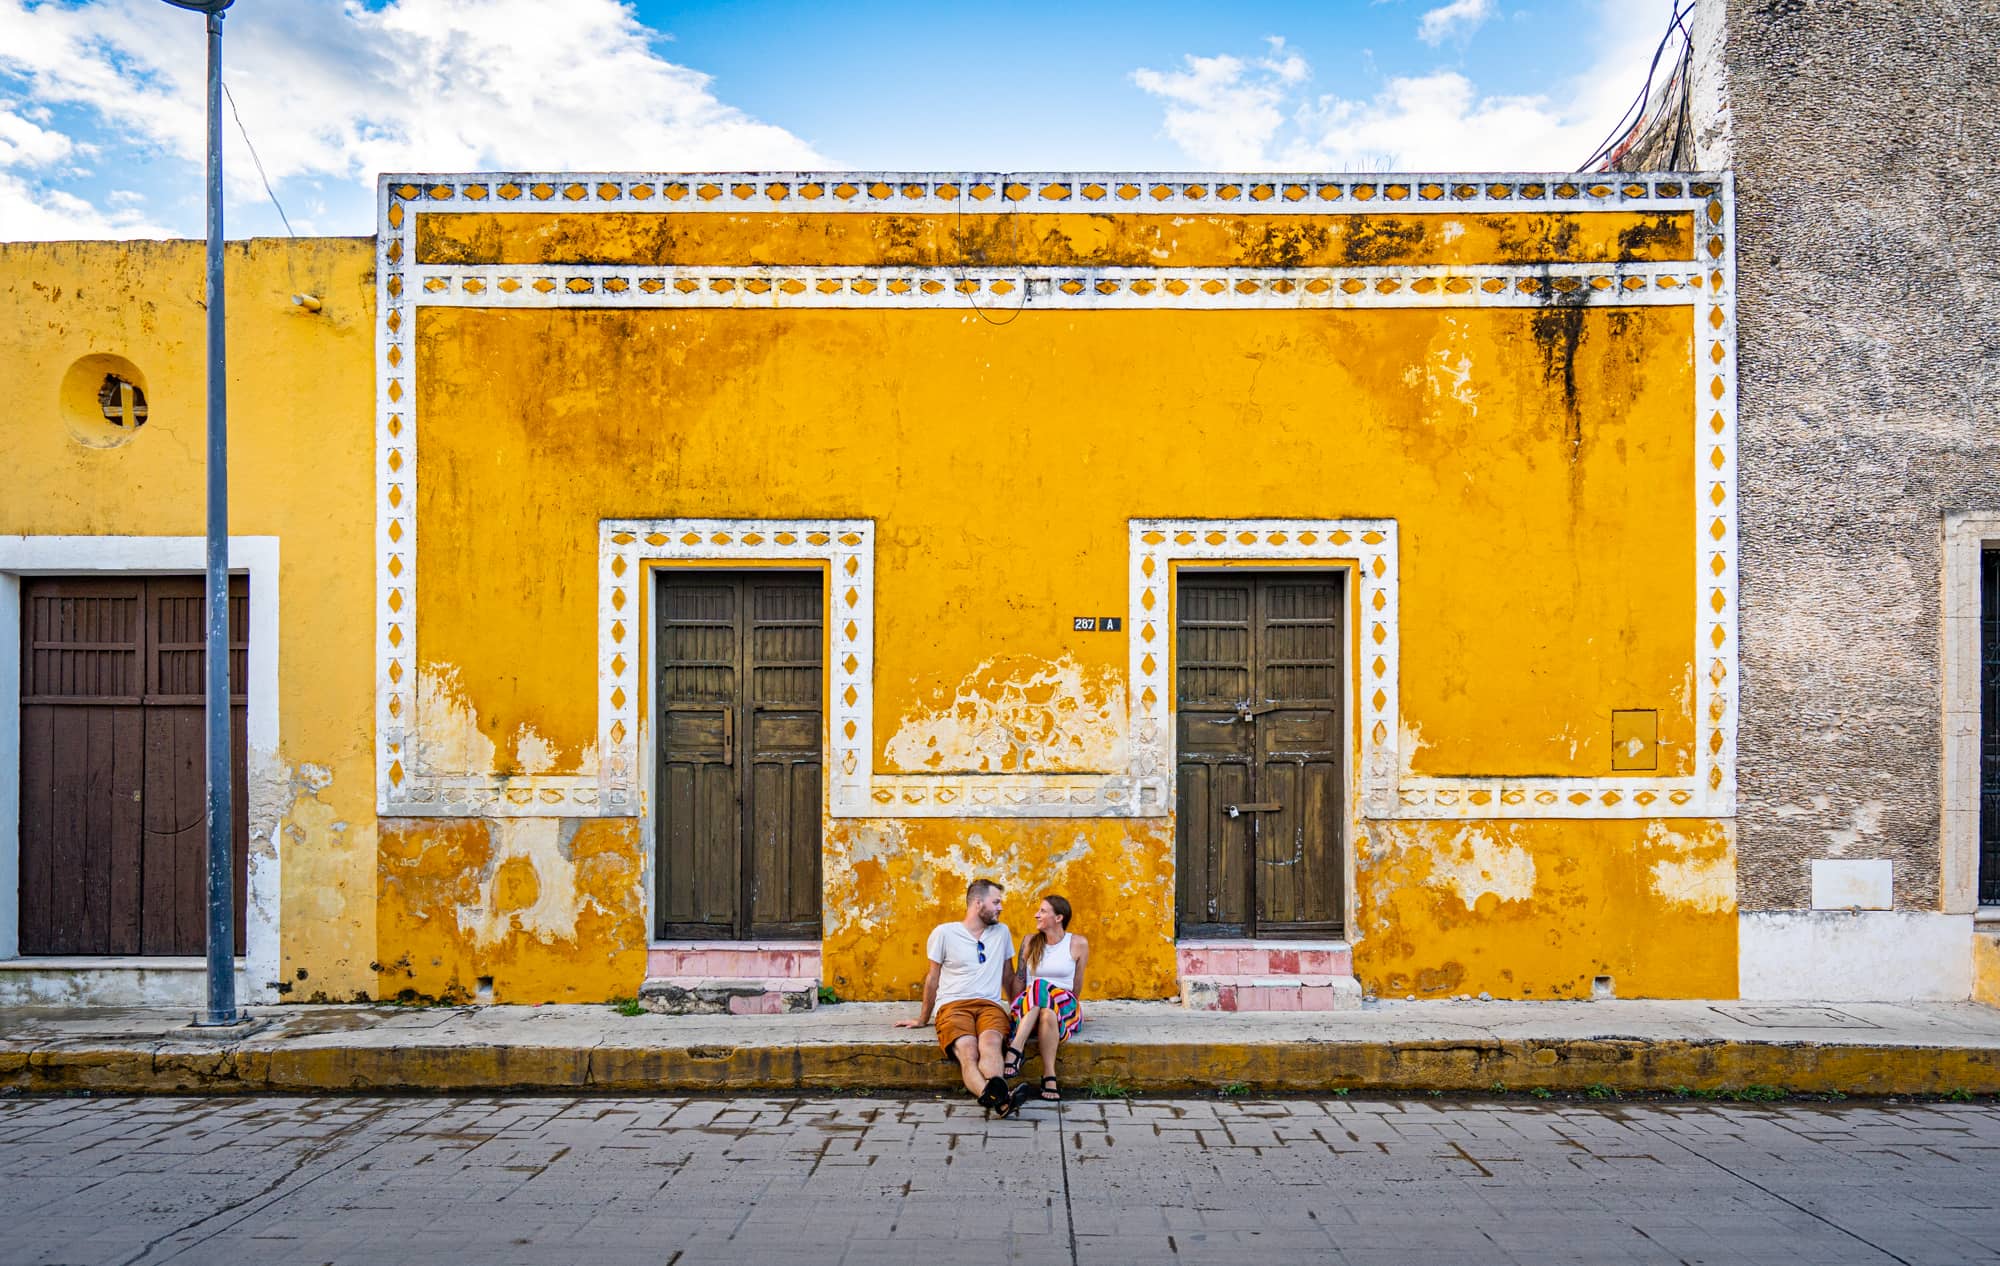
(221, 820)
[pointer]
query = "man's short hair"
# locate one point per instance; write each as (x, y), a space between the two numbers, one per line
(978, 888)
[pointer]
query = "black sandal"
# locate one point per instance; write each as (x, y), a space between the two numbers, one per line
(1050, 1093)
(994, 1095)
(1015, 1098)
(1012, 1066)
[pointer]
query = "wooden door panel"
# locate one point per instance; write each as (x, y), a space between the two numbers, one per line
(1321, 877)
(740, 735)
(113, 833)
(1213, 887)
(784, 728)
(1258, 676)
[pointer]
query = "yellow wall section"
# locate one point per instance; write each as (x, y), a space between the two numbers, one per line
(548, 909)
(302, 459)
(889, 882)
(1539, 463)
(1986, 968)
(1540, 909)
(1100, 241)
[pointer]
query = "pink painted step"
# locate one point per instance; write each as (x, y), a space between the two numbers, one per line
(1270, 993)
(734, 959)
(1264, 958)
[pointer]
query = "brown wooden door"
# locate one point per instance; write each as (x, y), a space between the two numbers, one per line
(739, 734)
(113, 796)
(1259, 762)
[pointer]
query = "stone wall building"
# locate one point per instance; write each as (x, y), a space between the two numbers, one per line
(1868, 254)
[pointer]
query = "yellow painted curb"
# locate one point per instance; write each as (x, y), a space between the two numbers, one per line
(1155, 1068)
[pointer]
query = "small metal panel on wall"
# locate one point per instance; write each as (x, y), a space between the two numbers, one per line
(1704, 284)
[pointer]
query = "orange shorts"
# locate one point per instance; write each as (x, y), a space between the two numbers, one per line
(970, 1017)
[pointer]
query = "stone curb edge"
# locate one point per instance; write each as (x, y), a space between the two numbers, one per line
(1626, 1065)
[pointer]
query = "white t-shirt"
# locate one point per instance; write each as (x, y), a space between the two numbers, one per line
(964, 977)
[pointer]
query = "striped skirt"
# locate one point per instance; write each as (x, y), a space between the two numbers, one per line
(1040, 994)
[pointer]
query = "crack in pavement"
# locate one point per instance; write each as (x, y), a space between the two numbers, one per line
(275, 1190)
(1786, 1200)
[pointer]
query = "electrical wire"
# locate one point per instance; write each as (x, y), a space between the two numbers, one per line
(959, 232)
(1636, 112)
(268, 191)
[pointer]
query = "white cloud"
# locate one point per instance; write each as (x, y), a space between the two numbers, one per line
(30, 212)
(1460, 17)
(1227, 113)
(332, 89)
(1224, 110)
(23, 144)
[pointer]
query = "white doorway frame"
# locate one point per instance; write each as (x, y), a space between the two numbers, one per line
(252, 556)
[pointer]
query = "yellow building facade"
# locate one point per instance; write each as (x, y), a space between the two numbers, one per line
(660, 559)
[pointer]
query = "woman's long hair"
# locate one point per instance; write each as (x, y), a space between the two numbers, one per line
(1031, 953)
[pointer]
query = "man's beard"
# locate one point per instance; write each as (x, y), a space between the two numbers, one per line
(988, 919)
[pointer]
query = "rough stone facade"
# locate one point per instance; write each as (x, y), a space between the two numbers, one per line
(1861, 133)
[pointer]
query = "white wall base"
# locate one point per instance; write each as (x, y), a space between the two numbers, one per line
(1854, 956)
(111, 982)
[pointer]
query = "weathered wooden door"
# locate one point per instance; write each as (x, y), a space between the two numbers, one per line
(739, 730)
(113, 797)
(1260, 764)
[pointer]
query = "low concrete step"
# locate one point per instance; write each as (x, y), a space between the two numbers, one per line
(1270, 993)
(719, 995)
(746, 960)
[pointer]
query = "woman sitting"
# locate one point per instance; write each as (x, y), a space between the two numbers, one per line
(1052, 962)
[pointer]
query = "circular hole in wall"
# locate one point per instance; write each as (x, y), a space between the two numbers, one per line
(104, 401)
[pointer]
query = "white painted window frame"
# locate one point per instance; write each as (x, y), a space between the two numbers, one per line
(252, 556)
(1967, 534)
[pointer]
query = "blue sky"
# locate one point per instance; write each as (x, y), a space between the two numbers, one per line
(100, 100)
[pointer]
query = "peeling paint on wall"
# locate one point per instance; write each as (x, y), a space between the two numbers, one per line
(1700, 874)
(548, 909)
(1646, 903)
(1474, 865)
(448, 737)
(1018, 714)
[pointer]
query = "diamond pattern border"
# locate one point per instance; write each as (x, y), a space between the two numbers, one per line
(1707, 285)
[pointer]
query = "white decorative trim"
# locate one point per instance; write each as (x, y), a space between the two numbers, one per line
(255, 556)
(1967, 535)
(1706, 285)
(807, 286)
(1123, 193)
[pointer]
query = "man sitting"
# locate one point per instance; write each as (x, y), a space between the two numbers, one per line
(971, 976)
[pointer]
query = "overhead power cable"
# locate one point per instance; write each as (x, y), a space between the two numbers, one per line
(269, 192)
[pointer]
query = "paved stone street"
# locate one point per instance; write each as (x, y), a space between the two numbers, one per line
(686, 1181)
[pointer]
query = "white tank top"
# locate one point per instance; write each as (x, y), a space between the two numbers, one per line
(1056, 965)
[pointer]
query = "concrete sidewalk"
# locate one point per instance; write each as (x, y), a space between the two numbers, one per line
(1852, 1048)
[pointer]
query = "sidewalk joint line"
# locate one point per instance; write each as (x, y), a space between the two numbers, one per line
(1817, 1217)
(1062, 1152)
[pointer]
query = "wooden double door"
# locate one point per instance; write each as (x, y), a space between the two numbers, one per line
(739, 727)
(1259, 786)
(114, 802)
